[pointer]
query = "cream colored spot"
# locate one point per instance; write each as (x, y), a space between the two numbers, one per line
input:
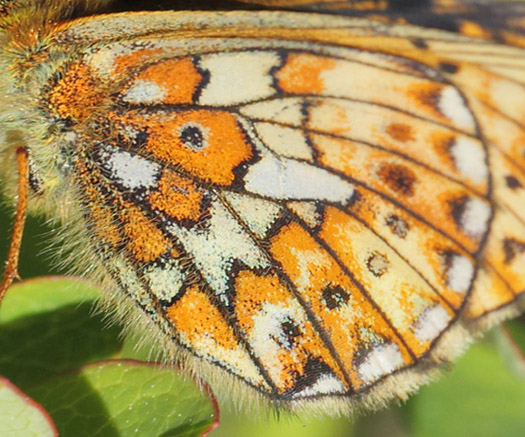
(306, 211)
(284, 141)
(287, 111)
(382, 360)
(131, 283)
(238, 77)
(431, 323)
(283, 178)
(257, 214)
(452, 106)
(165, 282)
(470, 159)
(475, 217)
(326, 384)
(132, 171)
(235, 360)
(144, 92)
(460, 273)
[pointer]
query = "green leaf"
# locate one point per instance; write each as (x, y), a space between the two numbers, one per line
(480, 397)
(125, 398)
(259, 424)
(20, 415)
(46, 328)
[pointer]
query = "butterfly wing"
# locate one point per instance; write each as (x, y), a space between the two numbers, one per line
(307, 203)
(495, 20)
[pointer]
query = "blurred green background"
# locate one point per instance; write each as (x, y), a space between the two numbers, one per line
(482, 396)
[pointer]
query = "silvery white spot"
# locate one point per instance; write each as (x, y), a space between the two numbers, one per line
(475, 217)
(431, 323)
(132, 171)
(325, 384)
(164, 281)
(283, 178)
(453, 106)
(215, 247)
(144, 92)
(238, 77)
(381, 360)
(258, 214)
(469, 158)
(460, 272)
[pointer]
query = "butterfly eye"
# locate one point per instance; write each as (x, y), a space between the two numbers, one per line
(194, 136)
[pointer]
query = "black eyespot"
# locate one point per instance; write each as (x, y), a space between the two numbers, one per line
(290, 332)
(334, 297)
(193, 136)
(290, 329)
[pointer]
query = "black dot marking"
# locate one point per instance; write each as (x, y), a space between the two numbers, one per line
(193, 137)
(512, 248)
(314, 369)
(419, 43)
(397, 225)
(447, 67)
(513, 183)
(377, 264)
(290, 332)
(334, 297)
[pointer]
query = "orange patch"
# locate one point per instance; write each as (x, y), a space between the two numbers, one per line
(177, 196)
(222, 148)
(197, 319)
(441, 142)
(344, 312)
(104, 226)
(426, 96)
(124, 63)
(144, 239)
(470, 28)
(77, 95)
(343, 233)
(394, 224)
(254, 295)
(400, 132)
(423, 192)
(302, 73)
(178, 78)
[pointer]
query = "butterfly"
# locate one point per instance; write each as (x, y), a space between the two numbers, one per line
(316, 210)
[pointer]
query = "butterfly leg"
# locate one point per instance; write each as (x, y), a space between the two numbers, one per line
(11, 265)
